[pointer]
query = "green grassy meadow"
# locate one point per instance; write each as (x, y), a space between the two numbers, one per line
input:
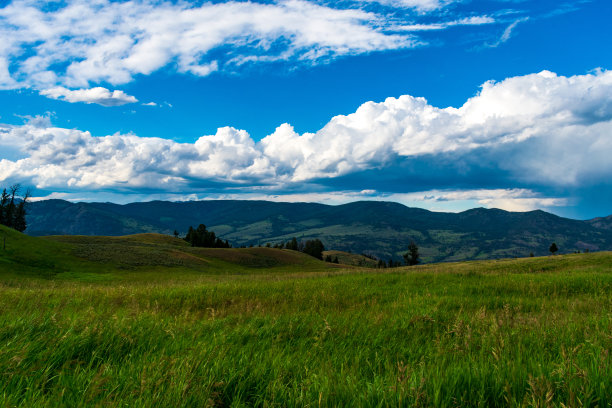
(148, 321)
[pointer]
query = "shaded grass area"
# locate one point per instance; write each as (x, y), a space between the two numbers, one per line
(528, 332)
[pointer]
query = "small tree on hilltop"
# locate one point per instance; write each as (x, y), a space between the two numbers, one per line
(412, 256)
(553, 248)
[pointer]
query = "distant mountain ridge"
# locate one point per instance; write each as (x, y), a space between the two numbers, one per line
(382, 229)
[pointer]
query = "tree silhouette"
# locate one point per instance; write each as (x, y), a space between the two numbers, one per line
(13, 208)
(553, 248)
(314, 247)
(201, 237)
(293, 244)
(412, 256)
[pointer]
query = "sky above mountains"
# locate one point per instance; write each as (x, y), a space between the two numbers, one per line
(444, 105)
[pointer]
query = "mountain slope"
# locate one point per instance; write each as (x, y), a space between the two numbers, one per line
(601, 222)
(383, 229)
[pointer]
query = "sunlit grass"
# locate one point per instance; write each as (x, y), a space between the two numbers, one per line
(526, 332)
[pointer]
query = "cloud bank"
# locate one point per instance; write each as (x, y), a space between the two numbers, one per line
(540, 131)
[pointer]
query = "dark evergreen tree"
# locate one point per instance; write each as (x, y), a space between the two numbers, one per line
(293, 244)
(412, 256)
(4, 199)
(553, 248)
(201, 237)
(328, 258)
(13, 208)
(314, 247)
(190, 237)
(335, 260)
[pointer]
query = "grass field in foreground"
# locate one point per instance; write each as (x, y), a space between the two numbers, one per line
(526, 332)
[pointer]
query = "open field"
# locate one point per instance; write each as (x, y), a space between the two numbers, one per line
(97, 321)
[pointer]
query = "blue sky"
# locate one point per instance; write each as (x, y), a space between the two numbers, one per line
(444, 105)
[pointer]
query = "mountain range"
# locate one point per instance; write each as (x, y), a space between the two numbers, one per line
(380, 229)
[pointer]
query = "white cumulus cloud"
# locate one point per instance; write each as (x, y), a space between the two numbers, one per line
(539, 130)
(97, 95)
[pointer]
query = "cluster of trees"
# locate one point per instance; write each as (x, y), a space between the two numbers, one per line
(412, 257)
(201, 237)
(312, 247)
(315, 247)
(329, 259)
(13, 208)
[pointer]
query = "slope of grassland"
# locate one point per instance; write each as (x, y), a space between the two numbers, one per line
(137, 256)
(155, 250)
(526, 332)
(347, 258)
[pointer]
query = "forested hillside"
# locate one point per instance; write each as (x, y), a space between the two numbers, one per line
(382, 229)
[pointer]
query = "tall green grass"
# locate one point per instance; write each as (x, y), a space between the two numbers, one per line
(529, 332)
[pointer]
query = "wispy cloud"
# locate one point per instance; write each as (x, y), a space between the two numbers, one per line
(467, 21)
(507, 34)
(419, 5)
(79, 42)
(97, 95)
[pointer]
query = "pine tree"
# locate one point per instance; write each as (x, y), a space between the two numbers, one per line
(4, 199)
(293, 244)
(553, 248)
(13, 208)
(201, 237)
(315, 248)
(412, 256)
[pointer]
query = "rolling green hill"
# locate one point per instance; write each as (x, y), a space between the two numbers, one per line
(101, 257)
(382, 229)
